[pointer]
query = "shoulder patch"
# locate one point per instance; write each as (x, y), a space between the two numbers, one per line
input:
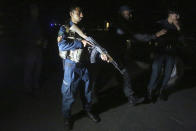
(66, 28)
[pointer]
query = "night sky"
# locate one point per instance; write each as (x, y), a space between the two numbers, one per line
(13, 13)
(98, 10)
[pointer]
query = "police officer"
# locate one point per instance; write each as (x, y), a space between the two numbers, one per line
(75, 68)
(126, 33)
(165, 55)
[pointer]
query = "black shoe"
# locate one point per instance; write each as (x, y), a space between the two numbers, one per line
(163, 95)
(93, 117)
(67, 124)
(150, 95)
(148, 98)
(135, 100)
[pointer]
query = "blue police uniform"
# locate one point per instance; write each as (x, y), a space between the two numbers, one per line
(75, 71)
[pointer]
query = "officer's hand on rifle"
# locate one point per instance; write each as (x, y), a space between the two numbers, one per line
(176, 23)
(104, 57)
(84, 42)
(59, 38)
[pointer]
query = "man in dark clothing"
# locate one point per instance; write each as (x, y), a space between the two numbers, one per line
(34, 44)
(125, 33)
(165, 54)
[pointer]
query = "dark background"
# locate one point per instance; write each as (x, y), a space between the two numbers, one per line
(96, 13)
(22, 112)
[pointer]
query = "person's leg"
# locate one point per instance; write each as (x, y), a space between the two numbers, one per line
(86, 96)
(128, 90)
(38, 68)
(29, 63)
(69, 88)
(169, 64)
(86, 91)
(154, 80)
(94, 72)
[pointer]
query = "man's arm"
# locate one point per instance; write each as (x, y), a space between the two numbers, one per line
(177, 25)
(64, 44)
(148, 37)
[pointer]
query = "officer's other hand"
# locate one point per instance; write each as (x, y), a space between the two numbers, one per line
(85, 43)
(161, 32)
(176, 23)
(104, 57)
(59, 38)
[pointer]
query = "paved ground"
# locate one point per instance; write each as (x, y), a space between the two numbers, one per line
(21, 112)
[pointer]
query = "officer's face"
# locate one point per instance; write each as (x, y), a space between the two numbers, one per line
(76, 15)
(175, 16)
(126, 14)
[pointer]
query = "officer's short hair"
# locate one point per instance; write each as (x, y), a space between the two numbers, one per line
(172, 11)
(125, 8)
(72, 8)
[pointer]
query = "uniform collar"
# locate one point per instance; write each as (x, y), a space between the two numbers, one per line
(71, 23)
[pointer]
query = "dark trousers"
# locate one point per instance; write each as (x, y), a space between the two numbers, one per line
(127, 87)
(32, 68)
(165, 61)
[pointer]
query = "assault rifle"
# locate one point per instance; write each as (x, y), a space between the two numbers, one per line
(97, 47)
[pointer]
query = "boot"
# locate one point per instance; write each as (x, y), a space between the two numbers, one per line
(67, 124)
(134, 100)
(95, 118)
(163, 95)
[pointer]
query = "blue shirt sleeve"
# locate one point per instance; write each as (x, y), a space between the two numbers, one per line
(64, 44)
